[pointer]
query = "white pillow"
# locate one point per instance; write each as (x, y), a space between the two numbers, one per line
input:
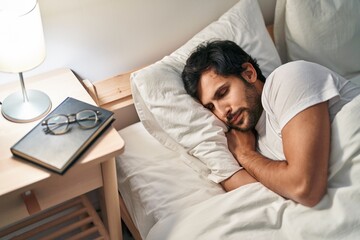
(178, 121)
(325, 32)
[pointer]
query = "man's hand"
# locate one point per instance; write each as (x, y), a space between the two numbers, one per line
(240, 142)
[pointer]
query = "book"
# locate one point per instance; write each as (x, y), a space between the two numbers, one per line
(58, 152)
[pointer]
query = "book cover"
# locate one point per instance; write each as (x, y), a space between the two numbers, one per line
(57, 152)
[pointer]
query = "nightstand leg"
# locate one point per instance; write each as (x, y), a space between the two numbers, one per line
(111, 198)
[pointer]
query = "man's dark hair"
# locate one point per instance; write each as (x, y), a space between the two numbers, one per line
(224, 57)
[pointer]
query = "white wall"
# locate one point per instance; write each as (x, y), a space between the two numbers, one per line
(98, 39)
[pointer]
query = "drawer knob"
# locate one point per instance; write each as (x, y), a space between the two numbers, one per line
(31, 202)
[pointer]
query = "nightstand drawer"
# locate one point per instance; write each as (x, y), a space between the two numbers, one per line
(51, 192)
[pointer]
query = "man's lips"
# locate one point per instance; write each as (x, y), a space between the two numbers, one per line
(234, 118)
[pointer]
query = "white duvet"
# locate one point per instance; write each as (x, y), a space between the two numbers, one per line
(254, 212)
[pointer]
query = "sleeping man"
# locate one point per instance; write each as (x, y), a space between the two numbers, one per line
(285, 117)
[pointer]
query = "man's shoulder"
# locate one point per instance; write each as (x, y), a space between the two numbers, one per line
(296, 78)
(296, 73)
(299, 66)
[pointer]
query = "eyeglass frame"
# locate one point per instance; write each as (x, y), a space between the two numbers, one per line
(71, 119)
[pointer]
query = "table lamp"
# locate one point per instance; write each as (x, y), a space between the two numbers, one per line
(22, 48)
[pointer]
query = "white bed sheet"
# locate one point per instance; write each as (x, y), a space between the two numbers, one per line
(154, 181)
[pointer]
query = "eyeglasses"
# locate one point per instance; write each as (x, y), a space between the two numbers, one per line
(59, 124)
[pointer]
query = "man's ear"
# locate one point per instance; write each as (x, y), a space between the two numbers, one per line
(249, 74)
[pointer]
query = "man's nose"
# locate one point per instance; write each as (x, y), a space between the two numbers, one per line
(224, 110)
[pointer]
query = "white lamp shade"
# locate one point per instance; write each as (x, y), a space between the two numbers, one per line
(22, 45)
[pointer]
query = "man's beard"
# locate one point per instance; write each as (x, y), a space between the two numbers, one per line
(252, 113)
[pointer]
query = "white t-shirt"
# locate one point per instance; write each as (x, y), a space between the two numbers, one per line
(290, 89)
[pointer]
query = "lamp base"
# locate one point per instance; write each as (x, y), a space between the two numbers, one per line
(15, 109)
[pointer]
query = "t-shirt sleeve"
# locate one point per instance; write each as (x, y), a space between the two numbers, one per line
(295, 86)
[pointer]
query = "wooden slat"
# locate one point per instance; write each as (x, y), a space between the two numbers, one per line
(40, 217)
(68, 228)
(76, 218)
(51, 224)
(96, 220)
(84, 233)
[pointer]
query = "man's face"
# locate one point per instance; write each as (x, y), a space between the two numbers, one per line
(235, 101)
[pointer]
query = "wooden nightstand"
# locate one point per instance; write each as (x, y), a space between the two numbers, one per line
(95, 168)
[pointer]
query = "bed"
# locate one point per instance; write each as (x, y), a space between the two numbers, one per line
(169, 170)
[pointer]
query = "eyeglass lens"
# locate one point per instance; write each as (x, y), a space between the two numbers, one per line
(87, 118)
(58, 124)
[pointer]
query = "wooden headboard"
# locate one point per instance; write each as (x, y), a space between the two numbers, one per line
(115, 95)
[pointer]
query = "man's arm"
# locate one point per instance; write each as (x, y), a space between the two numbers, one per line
(302, 177)
(238, 179)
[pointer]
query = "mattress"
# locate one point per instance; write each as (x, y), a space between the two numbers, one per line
(154, 181)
